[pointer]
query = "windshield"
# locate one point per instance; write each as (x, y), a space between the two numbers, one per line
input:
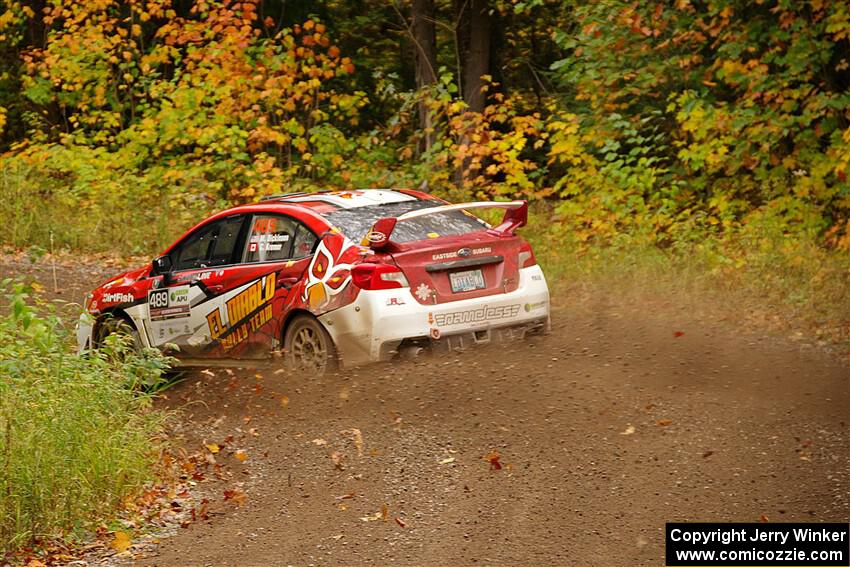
(356, 222)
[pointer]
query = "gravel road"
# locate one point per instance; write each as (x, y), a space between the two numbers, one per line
(570, 449)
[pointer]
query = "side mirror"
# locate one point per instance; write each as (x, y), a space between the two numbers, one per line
(161, 265)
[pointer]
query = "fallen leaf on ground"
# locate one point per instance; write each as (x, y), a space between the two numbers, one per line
(664, 422)
(678, 334)
(201, 513)
(338, 459)
(121, 542)
(447, 460)
(319, 442)
(371, 517)
(241, 456)
(36, 563)
(628, 431)
(212, 448)
(284, 401)
(385, 512)
(348, 496)
(707, 454)
(357, 436)
(397, 420)
(400, 522)
(493, 457)
(337, 537)
(763, 519)
(237, 496)
(207, 372)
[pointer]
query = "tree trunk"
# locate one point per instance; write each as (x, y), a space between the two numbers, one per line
(476, 62)
(424, 33)
(472, 36)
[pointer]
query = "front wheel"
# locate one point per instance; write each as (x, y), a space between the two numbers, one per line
(308, 347)
(123, 337)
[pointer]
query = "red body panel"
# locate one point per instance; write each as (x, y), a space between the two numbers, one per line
(428, 263)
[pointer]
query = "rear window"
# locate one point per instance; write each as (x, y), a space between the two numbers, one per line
(355, 223)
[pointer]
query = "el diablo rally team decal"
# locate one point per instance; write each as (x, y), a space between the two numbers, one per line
(246, 312)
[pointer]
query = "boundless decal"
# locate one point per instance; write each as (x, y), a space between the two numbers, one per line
(247, 311)
(477, 315)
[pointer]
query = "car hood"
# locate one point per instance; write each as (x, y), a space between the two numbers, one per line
(119, 290)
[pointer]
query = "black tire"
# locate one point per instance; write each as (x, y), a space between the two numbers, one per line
(308, 348)
(116, 325)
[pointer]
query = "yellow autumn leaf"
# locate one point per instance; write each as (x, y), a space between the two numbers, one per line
(121, 542)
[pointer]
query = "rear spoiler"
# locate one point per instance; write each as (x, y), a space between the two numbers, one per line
(516, 216)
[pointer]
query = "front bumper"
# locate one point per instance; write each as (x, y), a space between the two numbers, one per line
(84, 332)
(372, 327)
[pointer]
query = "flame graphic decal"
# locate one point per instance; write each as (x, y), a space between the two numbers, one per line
(330, 270)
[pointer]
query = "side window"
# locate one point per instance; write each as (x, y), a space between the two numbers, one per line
(305, 242)
(225, 242)
(212, 245)
(275, 237)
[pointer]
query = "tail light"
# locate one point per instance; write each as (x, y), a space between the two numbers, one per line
(378, 276)
(526, 256)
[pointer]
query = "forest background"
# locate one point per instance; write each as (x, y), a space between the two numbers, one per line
(703, 143)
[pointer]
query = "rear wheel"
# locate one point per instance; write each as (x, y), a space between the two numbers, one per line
(308, 346)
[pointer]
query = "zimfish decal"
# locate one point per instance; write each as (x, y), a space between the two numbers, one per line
(247, 312)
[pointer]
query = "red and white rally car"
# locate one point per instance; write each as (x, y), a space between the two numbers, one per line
(344, 277)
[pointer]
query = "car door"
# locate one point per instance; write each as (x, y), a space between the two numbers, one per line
(246, 322)
(202, 271)
(229, 287)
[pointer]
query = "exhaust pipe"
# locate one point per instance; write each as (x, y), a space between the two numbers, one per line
(410, 352)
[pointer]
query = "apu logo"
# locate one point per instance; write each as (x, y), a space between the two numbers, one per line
(179, 296)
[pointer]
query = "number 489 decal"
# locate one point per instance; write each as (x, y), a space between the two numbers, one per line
(158, 299)
(169, 302)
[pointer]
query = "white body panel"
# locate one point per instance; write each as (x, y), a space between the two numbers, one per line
(370, 328)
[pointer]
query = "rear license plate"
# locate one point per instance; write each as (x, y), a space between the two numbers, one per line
(469, 280)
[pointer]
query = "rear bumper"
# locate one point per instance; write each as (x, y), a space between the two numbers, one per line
(375, 324)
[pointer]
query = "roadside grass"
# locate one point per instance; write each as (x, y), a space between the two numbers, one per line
(75, 440)
(48, 214)
(762, 277)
